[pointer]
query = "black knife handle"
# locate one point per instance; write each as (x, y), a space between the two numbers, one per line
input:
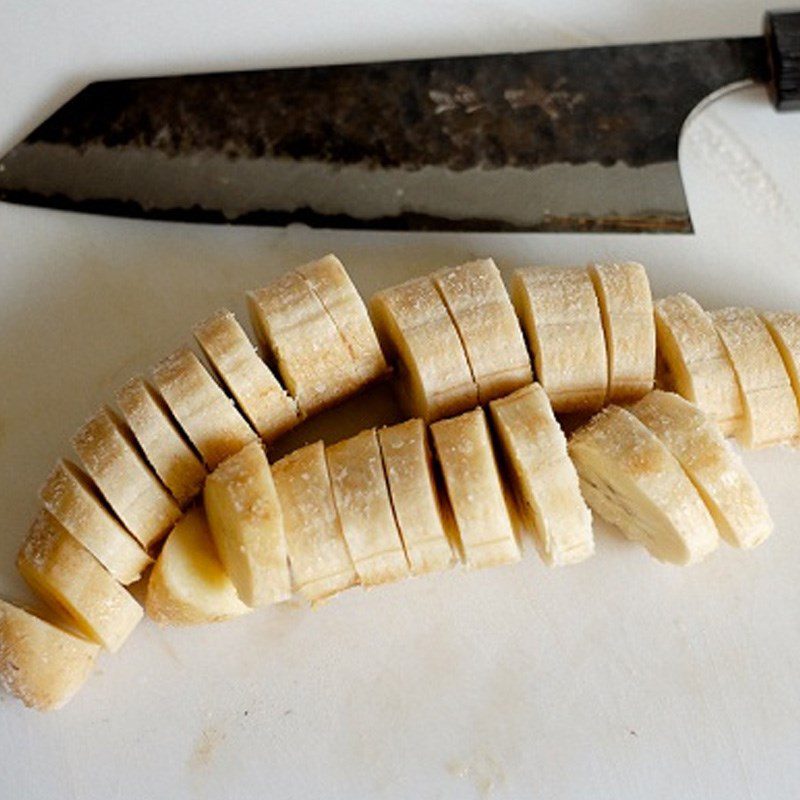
(782, 30)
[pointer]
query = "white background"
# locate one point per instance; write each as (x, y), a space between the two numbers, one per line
(618, 678)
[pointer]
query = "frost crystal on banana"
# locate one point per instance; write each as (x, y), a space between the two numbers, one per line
(784, 327)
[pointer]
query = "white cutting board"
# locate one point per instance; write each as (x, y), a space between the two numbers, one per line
(618, 678)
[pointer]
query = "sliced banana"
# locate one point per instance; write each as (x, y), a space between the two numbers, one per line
(246, 523)
(784, 327)
(731, 495)
(478, 302)
(39, 663)
(561, 319)
(109, 455)
(629, 478)
(189, 585)
(262, 399)
(72, 581)
(770, 408)
(544, 477)
(697, 366)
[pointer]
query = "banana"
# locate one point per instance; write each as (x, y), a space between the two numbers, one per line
(784, 327)
(365, 510)
(731, 495)
(413, 323)
(630, 478)
(206, 414)
(173, 460)
(561, 319)
(695, 363)
(71, 580)
(134, 493)
(246, 523)
(544, 477)
(69, 496)
(188, 584)
(479, 305)
(39, 663)
(770, 409)
(262, 399)
(407, 463)
(626, 308)
(479, 505)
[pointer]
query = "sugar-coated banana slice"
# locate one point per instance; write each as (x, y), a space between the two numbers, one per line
(545, 479)
(109, 455)
(717, 472)
(629, 478)
(784, 327)
(72, 581)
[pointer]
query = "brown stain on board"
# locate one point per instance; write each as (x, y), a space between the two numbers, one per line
(205, 748)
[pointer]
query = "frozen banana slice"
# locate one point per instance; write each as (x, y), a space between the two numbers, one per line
(39, 663)
(365, 510)
(464, 449)
(72, 581)
(717, 472)
(109, 455)
(561, 319)
(770, 408)
(478, 302)
(784, 327)
(629, 478)
(544, 477)
(262, 399)
(409, 473)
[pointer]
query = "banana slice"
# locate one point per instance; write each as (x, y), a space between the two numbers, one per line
(320, 562)
(332, 286)
(770, 409)
(478, 302)
(561, 319)
(39, 663)
(697, 366)
(206, 414)
(630, 478)
(137, 497)
(626, 308)
(731, 495)
(173, 460)
(409, 473)
(413, 323)
(71, 580)
(246, 523)
(262, 399)
(545, 479)
(189, 585)
(69, 496)
(482, 514)
(365, 510)
(784, 327)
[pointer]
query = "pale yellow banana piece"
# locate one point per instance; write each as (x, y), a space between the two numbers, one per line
(729, 492)
(784, 327)
(698, 368)
(39, 663)
(409, 473)
(320, 562)
(174, 461)
(206, 414)
(262, 399)
(561, 319)
(70, 497)
(365, 510)
(434, 378)
(770, 408)
(246, 523)
(629, 478)
(544, 477)
(72, 581)
(137, 497)
(476, 495)
(626, 308)
(478, 302)
(188, 584)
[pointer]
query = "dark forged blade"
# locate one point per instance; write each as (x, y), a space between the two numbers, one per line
(569, 140)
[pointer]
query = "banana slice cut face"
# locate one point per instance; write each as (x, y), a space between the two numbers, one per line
(784, 327)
